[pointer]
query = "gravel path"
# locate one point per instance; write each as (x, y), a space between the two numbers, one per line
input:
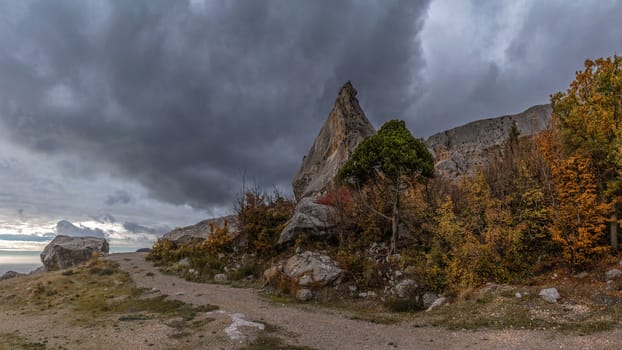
(328, 329)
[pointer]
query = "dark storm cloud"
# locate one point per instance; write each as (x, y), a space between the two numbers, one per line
(493, 58)
(185, 99)
(136, 228)
(119, 197)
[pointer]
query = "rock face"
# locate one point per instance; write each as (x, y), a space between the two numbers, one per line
(65, 251)
(312, 269)
(193, 234)
(464, 149)
(341, 133)
(309, 219)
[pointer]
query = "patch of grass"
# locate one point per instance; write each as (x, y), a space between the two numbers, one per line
(498, 312)
(377, 318)
(135, 317)
(12, 341)
(272, 343)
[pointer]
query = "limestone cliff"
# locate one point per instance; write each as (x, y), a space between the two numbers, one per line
(464, 149)
(344, 129)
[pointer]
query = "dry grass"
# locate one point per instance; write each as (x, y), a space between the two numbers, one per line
(96, 293)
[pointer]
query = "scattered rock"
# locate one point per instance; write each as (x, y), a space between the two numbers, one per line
(309, 219)
(221, 277)
(581, 275)
(613, 274)
(312, 268)
(550, 295)
(10, 274)
(65, 251)
(428, 299)
(518, 295)
(238, 321)
(404, 288)
(343, 130)
(304, 295)
(606, 299)
(438, 302)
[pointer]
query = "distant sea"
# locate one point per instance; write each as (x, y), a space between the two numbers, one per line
(19, 261)
(27, 261)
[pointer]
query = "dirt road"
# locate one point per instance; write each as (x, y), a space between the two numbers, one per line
(329, 329)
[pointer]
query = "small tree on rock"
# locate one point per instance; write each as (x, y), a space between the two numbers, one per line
(392, 159)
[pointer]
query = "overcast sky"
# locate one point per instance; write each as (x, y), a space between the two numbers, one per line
(138, 116)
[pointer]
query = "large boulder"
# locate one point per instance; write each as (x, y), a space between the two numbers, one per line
(199, 232)
(65, 251)
(309, 219)
(312, 269)
(341, 133)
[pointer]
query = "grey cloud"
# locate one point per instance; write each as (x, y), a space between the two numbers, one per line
(119, 197)
(502, 57)
(136, 228)
(185, 101)
(66, 228)
(27, 238)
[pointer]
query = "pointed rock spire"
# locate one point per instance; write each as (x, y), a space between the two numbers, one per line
(343, 130)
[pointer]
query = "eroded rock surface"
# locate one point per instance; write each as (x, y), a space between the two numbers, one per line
(309, 219)
(464, 149)
(341, 133)
(312, 269)
(64, 251)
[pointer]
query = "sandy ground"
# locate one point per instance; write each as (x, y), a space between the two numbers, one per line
(316, 327)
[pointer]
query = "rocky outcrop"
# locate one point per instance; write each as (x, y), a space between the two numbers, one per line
(65, 251)
(312, 269)
(464, 149)
(10, 274)
(197, 233)
(341, 133)
(309, 219)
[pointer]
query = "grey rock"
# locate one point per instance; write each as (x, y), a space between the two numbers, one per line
(404, 288)
(10, 274)
(304, 294)
(438, 302)
(343, 130)
(518, 295)
(309, 219)
(613, 274)
(428, 299)
(550, 295)
(312, 268)
(581, 275)
(199, 232)
(463, 150)
(221, 277)
(65, 251)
